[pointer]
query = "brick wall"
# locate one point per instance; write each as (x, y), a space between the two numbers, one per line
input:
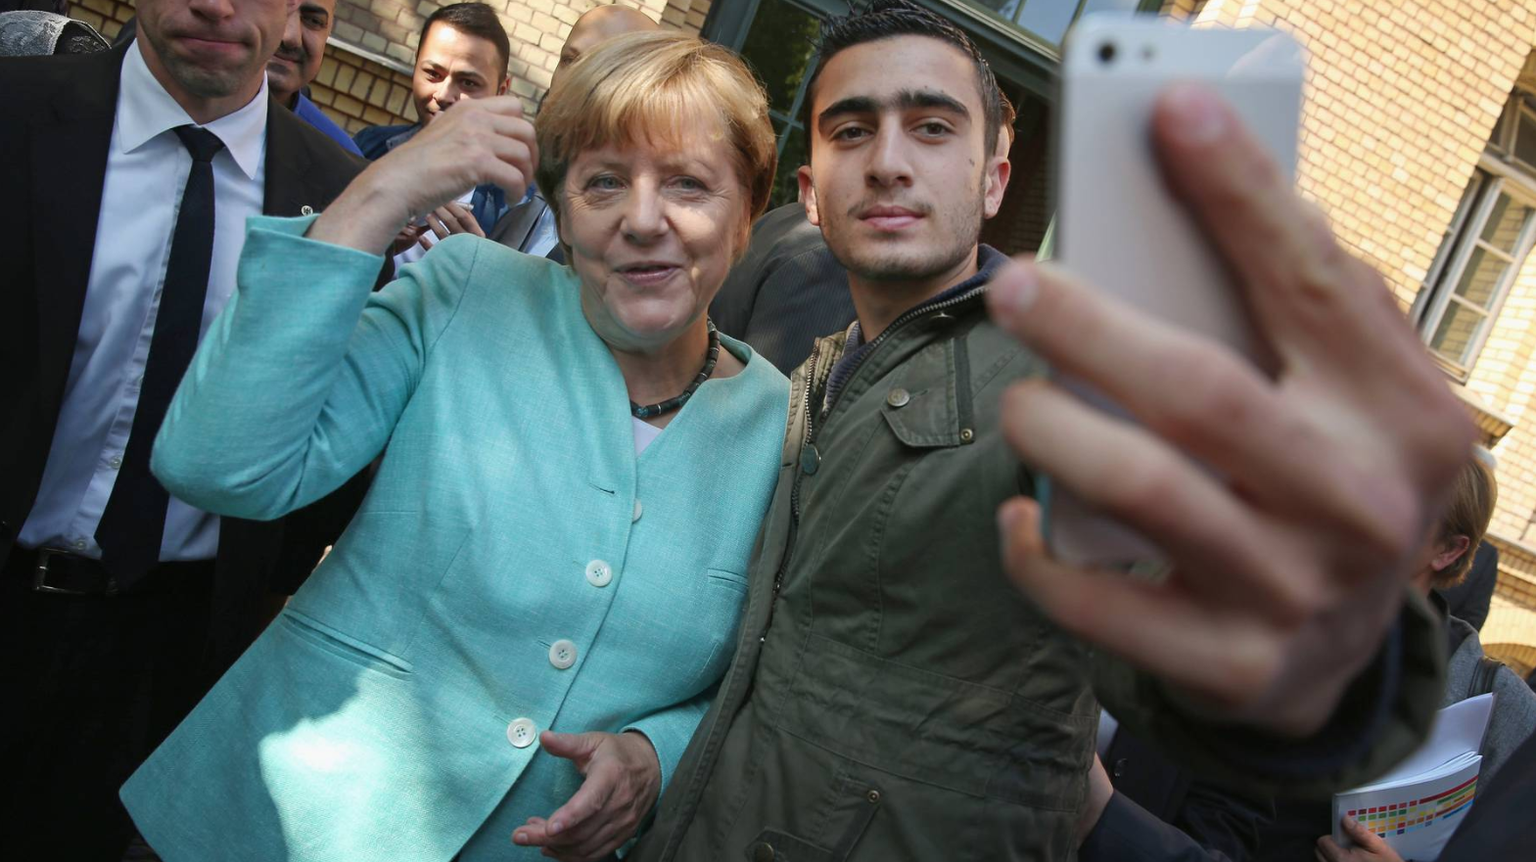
(107, 16)
(391, 30)
(365, 80)
(1402, 96)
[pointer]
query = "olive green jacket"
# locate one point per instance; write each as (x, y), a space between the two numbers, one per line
(893, 696)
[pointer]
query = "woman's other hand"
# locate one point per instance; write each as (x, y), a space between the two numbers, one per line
(1368, 846)
(479, 141)
(623, 781)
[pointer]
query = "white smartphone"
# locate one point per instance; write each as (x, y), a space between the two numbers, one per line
(1117, 225)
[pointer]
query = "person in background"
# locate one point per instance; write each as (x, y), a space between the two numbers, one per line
(892, 694)
(788, 291)
(1469, 672)
(1117, 828)
(1471, 599)
(530, 225)
(462, 55)
(596, 26)
(297, 62)
(127, 190)
(1132, 782)
(532, 611)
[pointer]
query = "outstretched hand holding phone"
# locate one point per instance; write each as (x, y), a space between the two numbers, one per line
(1291, 561)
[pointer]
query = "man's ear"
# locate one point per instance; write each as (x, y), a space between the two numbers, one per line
(504, 86)
(999, 169)
(1447, 554)
(808, 195)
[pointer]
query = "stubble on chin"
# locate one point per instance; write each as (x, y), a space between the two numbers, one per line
(897, 261)
(201, 81)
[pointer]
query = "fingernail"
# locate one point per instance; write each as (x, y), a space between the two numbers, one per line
(555, 827)
(1014, 288)
(519, 838)
(1198, 115)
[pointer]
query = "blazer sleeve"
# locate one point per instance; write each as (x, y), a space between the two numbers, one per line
(302, 377)
(670, 730)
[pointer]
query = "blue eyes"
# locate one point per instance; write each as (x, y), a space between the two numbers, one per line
(610, 183)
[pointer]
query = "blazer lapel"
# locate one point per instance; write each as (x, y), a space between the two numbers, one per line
(69, 149)
(288, 163)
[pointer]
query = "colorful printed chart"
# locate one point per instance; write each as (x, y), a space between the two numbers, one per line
(1403, 817)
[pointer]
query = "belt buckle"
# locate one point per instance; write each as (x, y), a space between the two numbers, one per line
(40, 576)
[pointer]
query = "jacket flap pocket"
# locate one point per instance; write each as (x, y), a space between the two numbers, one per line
(925, 418)
(929, 406)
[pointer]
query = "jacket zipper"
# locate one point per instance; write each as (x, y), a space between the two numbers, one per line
(810, 435)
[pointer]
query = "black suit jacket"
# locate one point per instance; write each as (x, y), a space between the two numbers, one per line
(786, 292)
(1471, 599)
(1223, 821)
(53, 159)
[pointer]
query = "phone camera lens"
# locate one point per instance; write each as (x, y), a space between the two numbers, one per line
(1107, 53)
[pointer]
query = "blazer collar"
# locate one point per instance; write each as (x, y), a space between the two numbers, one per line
(289, 162)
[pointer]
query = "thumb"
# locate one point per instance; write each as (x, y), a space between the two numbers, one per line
(1362, 836)
(575, 747)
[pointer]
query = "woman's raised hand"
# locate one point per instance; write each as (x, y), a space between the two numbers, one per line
(623, 779)
(478, 141)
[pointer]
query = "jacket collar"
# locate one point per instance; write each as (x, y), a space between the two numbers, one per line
(289, 162)
(145, 110)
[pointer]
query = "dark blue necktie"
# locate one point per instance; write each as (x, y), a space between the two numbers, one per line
(134, 521)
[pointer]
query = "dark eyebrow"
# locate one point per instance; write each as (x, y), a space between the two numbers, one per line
(905, 100)
(313, 9)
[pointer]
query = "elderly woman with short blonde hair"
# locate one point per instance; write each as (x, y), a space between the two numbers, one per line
(523, 625)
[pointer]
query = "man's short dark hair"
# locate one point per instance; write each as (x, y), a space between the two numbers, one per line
(476, 19)
(886, 19)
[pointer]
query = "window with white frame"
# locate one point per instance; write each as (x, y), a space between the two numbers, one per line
(1487, 244)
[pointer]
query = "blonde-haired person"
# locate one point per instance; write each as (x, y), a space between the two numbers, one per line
(528, 615)
(1445, 563)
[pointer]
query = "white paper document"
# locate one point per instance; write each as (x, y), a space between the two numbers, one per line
(1417, 806)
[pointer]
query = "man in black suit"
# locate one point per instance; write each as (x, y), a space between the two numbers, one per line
(118, 605)
(786, 292)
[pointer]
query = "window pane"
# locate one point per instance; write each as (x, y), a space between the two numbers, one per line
(1525, 138)
(1481, 277)
(1110, 6)
(1458, 328)
(1047, 19)
(779, 47)
(1503, 228)
(786, 188)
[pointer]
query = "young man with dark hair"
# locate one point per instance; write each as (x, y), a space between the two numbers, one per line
(463, 54)
(893, 695)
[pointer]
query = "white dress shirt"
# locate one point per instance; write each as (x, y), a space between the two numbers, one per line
(147, 169)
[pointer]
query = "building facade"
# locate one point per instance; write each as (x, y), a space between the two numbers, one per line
(1418, 141)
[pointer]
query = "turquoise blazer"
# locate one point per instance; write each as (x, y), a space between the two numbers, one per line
(514, 568)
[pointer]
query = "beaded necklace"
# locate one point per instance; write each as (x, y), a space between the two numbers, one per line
(677, 401)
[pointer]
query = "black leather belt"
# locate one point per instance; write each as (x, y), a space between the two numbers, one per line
(50, 570)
